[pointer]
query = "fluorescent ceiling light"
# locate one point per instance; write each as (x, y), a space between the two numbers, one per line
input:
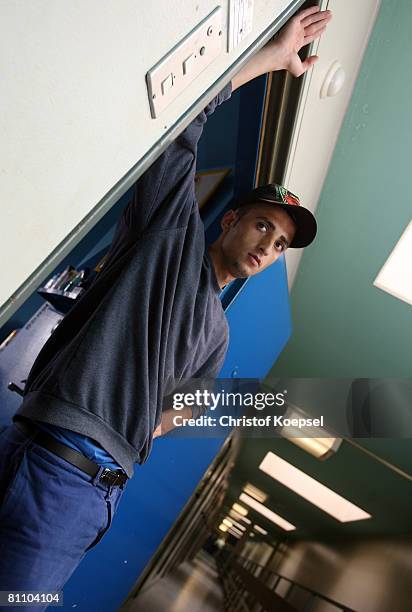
(234, 523)
(236, 534)
(240, 509)
(271, 516)
(239, 517)
(321, 448)
(230, 526)
(260, 529)
(236, 530)
(395, 277)
(223, 527)
(253, 491)
(320, 442)
(252, 535)
(311, 490)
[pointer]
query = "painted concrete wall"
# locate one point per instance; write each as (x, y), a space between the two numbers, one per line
(75, 115)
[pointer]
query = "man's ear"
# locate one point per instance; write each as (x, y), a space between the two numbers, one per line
(228, 220)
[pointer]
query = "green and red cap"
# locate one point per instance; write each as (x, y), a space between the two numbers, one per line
(303, 219)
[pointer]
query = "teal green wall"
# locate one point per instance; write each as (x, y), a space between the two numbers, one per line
(343, 326)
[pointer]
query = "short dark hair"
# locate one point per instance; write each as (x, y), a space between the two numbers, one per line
(243, 209)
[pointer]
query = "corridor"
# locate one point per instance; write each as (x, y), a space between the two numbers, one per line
(192, 586)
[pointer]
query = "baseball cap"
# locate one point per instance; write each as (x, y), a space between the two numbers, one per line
(304, 220)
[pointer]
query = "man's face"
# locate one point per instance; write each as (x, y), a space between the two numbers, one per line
(256, 239)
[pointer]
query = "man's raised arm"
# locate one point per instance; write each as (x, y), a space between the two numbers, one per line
(282, 52)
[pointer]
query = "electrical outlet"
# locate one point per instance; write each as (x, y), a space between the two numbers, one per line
(178, 69)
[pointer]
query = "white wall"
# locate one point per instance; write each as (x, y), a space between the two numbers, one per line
(75, 117)
(319, 119)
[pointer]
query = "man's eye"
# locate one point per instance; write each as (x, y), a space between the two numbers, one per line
(261, 225)
(280, 245)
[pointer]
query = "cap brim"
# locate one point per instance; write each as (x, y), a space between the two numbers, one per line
(306, 226)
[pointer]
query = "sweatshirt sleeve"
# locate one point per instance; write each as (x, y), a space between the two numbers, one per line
(165, 192)
(207, 375)
(164, 195)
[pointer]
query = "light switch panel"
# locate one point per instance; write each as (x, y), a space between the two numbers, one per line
(178, 69)
(240, 21)
(167, 84)
(189, 64)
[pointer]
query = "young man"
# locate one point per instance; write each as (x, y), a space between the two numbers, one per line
(152, 318)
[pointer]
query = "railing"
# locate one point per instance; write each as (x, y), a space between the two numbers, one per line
(247, 585)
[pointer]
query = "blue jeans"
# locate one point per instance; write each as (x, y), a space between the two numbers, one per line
(51, 514)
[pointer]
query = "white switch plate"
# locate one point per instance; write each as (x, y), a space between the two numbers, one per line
(204, 43)
(240, 21)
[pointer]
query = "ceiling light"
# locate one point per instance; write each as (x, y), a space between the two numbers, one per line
(395, 276)
(271, 516)
(236, 530)
(320, 442)
(253, 491)
(227, 522)
(223, 527)
(236, 534)
(234, 523)
(311, 490)
(240, 509)
(239, 517)
(321, 448)
(260, 529)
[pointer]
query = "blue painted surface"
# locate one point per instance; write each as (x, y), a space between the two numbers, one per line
(259, 322)
(250, 120)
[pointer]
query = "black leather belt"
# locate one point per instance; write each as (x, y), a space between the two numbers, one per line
(115, 478)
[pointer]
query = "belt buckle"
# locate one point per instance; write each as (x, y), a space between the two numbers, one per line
(108, 476)
(111, 477)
